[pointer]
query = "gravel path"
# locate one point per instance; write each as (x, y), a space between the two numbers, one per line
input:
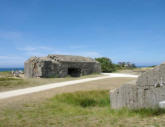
(13, 93)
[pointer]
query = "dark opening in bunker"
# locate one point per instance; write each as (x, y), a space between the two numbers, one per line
(74, 72)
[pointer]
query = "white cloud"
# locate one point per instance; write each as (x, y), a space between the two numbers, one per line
(77, 46)
(91, 54)
(10, 58)
(12, 61)
(44, 50)
(29, 48)
(35, 51)
(26, 52)
(10, 35)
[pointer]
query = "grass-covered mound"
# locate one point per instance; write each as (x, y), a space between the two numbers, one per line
(79, 109)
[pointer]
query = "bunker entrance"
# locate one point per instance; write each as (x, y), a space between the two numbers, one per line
(74, 72)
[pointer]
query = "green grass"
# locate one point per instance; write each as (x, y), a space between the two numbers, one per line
(7, 79)
(5, 74)
(134, 70)
(87, 100)
(7, 82)
(79, 109)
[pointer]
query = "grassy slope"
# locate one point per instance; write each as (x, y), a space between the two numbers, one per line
(80, 109)
(7, 82)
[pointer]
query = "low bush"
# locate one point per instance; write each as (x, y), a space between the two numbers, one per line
(91, 98)
(106, 64)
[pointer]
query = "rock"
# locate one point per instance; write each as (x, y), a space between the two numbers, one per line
(147, 92)
(16, 73)
(60, 66)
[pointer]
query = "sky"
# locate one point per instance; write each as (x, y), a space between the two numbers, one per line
(123, 30)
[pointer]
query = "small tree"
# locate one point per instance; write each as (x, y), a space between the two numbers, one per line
(106, 64)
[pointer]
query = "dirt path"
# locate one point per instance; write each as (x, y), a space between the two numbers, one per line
(13, 93)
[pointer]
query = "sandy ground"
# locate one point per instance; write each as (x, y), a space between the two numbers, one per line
(104, 84)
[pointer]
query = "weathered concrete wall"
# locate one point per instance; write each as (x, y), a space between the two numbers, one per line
(124, 96)
(54, 67)
(35, 67)
(147, 92)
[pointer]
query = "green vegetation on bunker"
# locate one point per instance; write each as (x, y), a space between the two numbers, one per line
(79, 109)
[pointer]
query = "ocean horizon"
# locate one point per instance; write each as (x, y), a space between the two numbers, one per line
(22, 68)
(11, 69)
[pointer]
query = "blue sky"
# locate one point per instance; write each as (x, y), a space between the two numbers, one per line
(123, 30)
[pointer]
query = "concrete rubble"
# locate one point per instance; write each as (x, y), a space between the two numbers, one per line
(147, 92)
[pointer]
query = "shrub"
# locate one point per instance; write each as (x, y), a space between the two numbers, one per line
(85, 99)
(106, 64)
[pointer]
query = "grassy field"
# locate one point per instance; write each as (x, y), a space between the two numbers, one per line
(88, 107)
(79, 109)
(137, 71)
(104, 84)
(7, 82)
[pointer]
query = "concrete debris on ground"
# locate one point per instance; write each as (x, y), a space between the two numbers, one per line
(147, 92)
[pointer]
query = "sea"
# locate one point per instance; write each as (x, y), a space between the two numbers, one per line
(11, 69)
(22, 69)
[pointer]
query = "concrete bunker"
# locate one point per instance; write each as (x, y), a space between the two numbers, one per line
(74, 72)
(60, 66)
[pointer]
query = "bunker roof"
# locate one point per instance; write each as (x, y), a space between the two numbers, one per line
(70, 58)
(62, 58)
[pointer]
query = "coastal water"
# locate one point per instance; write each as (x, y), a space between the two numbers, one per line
(10, 69)
(22, 69)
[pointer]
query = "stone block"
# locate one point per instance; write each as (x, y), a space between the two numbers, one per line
(147, 92)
